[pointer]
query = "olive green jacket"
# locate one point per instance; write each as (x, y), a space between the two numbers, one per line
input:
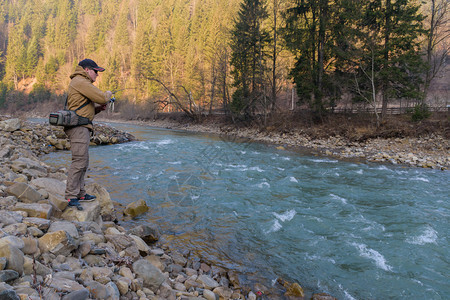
(81, 90)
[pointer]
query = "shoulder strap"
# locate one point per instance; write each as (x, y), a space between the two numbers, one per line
(85, 103)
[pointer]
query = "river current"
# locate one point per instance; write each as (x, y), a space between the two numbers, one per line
(353, 230)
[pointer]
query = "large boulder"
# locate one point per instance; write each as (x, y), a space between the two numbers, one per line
(90, 213)
(51, 185)
(31, 266)
(58, 243)
(10, 125)
(8, 275)
(58, 202)
(24, 192)
(92, 237)
(14, 257)
(209, 295)
(7, 201)
(6, 151)
(148, 232)
(82, 294)
(10, 217)
(322, 296)
(123, 284)
(136, 208)
(64, 285)
(124, 243)
(12, 240)
(60, 144)
(113, 291)
(30, 245)
(38, 210)
(9, 295)
(207, 282)
(42, 224)
(140, 244)
(103, 198)
(15, 229)
(102, 274)
(294, 290)
(68, 227)
(23, 164)
(223, 292)
(98, 290)
(152, 276)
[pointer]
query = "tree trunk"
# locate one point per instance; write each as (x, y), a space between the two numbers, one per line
(429, 49)
(387, 36)
(323, 15)
(213, 85)
(274, 58)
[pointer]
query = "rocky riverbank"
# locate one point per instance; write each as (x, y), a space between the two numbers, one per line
(429, 151)
(43, 138)
(51, 251)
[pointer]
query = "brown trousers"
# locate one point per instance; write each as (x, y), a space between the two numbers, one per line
(79, 138)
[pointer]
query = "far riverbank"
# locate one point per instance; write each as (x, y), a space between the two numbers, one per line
(429, 150)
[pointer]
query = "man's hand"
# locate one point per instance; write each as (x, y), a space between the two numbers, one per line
(108, 95)
(100, 108)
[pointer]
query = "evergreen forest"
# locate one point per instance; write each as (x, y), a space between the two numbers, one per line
(238, 57)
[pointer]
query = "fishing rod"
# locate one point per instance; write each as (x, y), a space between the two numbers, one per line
(119, 90)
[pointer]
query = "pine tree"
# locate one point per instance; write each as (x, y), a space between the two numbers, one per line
(110, 80)
(32, 56)
(248, 43)
(16, 54)
(91, 7)
(65, 24)
(311, 34)
(143, 58)
(3, 36)
(121, 36)
(388, 44)
(280, 57)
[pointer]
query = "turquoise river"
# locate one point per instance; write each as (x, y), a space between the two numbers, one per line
(353, 230)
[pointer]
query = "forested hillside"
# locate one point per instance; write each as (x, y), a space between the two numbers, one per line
(177, 42)
(240, 55)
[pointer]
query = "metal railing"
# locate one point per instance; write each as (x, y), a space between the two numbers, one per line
(390, 110)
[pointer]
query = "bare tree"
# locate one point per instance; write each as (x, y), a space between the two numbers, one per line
(437, 39)
(190, 109)
(369, 95)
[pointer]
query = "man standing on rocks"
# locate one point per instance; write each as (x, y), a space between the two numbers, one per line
(82, 96)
